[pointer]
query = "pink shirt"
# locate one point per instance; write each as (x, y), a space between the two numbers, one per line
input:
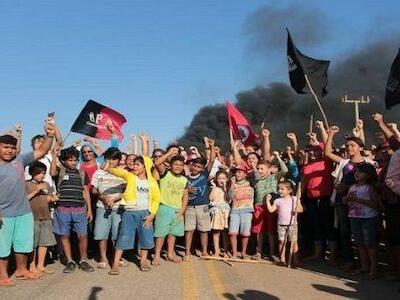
(286, 208)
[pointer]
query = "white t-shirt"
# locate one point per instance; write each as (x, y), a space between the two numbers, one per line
(215, 168)
(47, 178)
(142, 196)
(108, 184)
(358, 210)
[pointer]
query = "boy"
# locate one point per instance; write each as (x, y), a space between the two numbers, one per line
(74, 208)
(40, 196)
(109, 189)
(197, 214)
(242, 198)
(174, 199)
(16, 228)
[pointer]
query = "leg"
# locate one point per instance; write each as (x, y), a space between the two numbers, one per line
(41, 254)
(83, 246)
(271, 242)
(345, 234)
(245, 242)
(372, 254)
(103, 250)
(260, 242)
(32, 265)
(117, 257)
(364, 258)
(225, 241)
(204, 243)
(216, 234)
(21, 260)
(171, 255)
(157, 253)
(282, 251)
(66, 246)
(143, 257)
(233, 238)
(188, 242)
(3, 268)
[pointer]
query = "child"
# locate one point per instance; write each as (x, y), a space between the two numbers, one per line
(174, 199)
(140, 201)
(363, 202)
(108, 188)
(287, 206)
(197, 214)
(40, 196)
(219, 211)
(242, 197)
(74, 209)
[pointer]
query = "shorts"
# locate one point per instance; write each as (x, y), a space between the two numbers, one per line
(167, 222)
(240, 222)
(67, 218)
(259, 224)
(365, 231)
(44, 236)
(107, 220)
(197, 217)
(16, 233)
(132, 222)
(289, 232)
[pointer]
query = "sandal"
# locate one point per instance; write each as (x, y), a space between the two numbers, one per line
(27, 276)
(102, 265)
(123, 263)
(113, 272)
(145, 267)
(7, 282)
(46, 271)
(187, 258)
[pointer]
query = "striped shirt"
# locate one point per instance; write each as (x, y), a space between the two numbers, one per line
(71, 189)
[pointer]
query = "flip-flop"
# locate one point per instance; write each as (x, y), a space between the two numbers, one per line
(7, 282)
(102, 265)
(145, 268)
(186, 258)
(174, 260)
(27, 276)
(46, 271)
(123, 263)
(113, 272)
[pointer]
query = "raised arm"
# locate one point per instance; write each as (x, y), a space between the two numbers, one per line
(18, 135)
(134, 141)
(358, 131)
(236, 154)
(145, 144)
(293, 139)
(393, 128)
(159, 162)
(322, 129)
(378, 118)
(328, 149)
(266, 151)
(282, 165)
(47, 142)
(53, 166)
(271, 207)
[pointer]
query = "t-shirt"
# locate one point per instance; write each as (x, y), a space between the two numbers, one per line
(108, 185)
(242, 195)
(89, 171)
(348, 178)
(200, 196)
(13, 198)
(71, 189)
(358, 210)
(172, 188)
(318, 178)
(142, 196)
(286, 209)
(263, 187)
(46, 160)
(215, 168)
(39, 204)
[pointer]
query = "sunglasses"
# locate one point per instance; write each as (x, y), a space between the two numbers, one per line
(157, 156)
(85, 152)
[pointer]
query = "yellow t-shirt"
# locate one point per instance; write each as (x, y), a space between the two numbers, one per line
(172, 188)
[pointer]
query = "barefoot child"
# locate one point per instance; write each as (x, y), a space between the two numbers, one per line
(287, 206)
(173, 202)
(363, 202)
(219, 211)
(242, 197)
(40, 196)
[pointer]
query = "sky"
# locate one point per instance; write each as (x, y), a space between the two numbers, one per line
(157, 62)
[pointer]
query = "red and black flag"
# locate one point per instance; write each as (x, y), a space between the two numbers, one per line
(239, 126)
(96, 119)
(392, 95)
(300, 65)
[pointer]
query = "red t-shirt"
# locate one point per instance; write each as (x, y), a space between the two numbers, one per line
(89, 171)
(318, 178)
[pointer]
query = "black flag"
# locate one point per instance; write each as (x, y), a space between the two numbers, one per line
(392, 96)
(300, 65)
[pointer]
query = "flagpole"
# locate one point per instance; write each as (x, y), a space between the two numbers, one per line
(66, 136)
(317, 100)
(311, 123)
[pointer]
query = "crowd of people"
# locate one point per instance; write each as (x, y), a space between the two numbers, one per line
(304, 203)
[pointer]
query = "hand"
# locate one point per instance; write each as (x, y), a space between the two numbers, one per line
(360, 124)
(40, 187)
(392, 126)
(211, 142)
(76, 143)
(291, 136)
(276, 154)
(56, 197)
(269, 198)
(173, 151)
(179, 215)
(148, 221)
(143, 137)
(265, 132)
(378, 118)
(356, 132)
(156, 143)
(89, 215)
(56, 150)
(333, 130)
(192, 189)
(217, 150)
(50, 129)
(18, 129)
(319, 124)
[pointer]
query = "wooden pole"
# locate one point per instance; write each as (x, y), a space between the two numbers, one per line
(311, 123)
(317, 100)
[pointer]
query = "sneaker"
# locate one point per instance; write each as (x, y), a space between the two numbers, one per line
(69, 267)
(84, 266)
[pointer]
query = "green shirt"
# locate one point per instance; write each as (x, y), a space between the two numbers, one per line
(172, 188)
(263, 187)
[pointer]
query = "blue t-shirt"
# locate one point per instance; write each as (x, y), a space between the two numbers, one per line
(13, 197)
(200, 197)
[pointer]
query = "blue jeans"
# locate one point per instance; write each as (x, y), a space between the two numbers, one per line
(107, 220)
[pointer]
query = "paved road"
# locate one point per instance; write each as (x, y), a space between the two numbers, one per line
(200, 279)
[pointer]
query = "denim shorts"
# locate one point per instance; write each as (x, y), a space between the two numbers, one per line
(240, 222)
(132, 223)
(365, 231)
(107, 220)
(67, 218)
(16, 233)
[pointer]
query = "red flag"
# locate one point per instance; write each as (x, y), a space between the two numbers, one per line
(94, 120)
(239, 126)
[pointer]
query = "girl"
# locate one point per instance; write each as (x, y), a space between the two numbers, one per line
(287, 206)
(363, 202)
(219, 211)
(141, 200)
